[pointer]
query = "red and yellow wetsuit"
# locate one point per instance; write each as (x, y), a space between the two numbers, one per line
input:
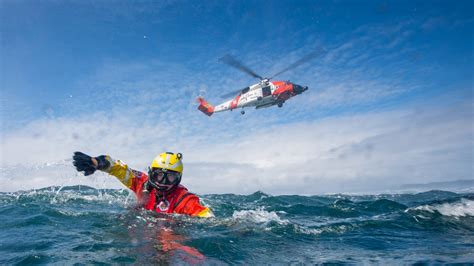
(179, 200)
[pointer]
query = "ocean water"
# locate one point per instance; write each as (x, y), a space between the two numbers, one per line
(83, 225)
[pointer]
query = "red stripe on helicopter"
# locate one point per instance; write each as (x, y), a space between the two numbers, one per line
(234, 102)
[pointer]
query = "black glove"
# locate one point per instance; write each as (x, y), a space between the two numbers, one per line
(83, 162)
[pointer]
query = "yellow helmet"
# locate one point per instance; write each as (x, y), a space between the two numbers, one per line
(168, 161)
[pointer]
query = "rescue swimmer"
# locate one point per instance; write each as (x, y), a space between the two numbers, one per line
(159, 190)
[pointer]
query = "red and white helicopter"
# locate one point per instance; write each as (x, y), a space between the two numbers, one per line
(266, 93)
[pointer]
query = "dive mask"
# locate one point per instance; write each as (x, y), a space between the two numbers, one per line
(163, 179)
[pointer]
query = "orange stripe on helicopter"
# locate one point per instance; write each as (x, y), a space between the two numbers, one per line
(284, 89)
(234, 102)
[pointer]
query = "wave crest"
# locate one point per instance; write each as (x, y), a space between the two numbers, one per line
(463, 208)
(258, 216)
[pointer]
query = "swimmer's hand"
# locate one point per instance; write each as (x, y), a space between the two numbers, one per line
(87, 164)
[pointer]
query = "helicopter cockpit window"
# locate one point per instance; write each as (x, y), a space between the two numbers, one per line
(245, 90)
(266, 91)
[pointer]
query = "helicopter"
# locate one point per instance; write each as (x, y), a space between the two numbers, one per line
(265, 93)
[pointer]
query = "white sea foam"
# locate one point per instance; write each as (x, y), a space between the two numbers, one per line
(456, 209)
(336, 229)
(258, 216)
(63, 196)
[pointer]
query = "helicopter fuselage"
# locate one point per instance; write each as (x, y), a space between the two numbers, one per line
(260, 95)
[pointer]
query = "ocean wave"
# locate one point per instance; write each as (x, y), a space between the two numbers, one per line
(96, 225)
(463, 208)
(333, 229)
(258, 216)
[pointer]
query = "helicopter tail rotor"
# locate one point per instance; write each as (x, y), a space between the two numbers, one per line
(205, 107)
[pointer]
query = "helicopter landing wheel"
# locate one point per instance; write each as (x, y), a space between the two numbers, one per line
(242, 112)
(280, 105)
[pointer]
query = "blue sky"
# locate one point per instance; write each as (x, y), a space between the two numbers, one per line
(121, 77)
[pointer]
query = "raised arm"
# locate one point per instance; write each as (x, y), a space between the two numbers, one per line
(133, 179)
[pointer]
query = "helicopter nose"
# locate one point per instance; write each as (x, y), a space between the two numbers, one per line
(299, 89)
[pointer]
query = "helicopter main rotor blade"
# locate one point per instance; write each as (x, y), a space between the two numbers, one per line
(231, 61)
(231, 94)
(301, 61)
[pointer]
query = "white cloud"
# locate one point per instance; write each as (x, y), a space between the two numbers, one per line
(351, 153)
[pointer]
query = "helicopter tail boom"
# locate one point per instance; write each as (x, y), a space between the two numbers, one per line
(205, 107)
